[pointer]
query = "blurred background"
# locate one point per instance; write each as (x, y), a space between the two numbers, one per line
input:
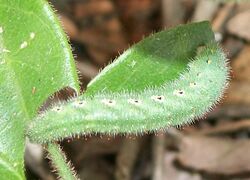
(216, 147)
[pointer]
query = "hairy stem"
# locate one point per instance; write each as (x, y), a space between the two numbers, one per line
(64, 169)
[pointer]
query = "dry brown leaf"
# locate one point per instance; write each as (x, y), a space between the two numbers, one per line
(173, 13)
(239, 25)
(215, 155)
(69, 27)
(222, 16)
(238, 93)
(173, 173)
(205, 10)
(92, 8)
(241, 65)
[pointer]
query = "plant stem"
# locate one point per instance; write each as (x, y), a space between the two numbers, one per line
(64, 169)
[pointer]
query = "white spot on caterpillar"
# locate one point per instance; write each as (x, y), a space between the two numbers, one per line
(134, 102)
(79, 104)
(108, 102)
(56, 109)
(192, 84)
(32, 35)
(24, 45)
(1, 30)
(158, 98)
(209, 61)
(179, 93)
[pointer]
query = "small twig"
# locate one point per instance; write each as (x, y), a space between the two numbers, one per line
(126, 158)
(158, 156)
(231, 112)
(64, 170)
(226, 128)
(223, 15)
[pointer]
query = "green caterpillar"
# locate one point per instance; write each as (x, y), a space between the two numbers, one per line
(174, 103)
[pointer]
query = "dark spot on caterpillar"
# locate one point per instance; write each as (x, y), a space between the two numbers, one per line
(209, 61)
(134, 101)
(181, 92)
(57, 108)
(158, 98)
(108, 102)
(193, 84)
(79, 103)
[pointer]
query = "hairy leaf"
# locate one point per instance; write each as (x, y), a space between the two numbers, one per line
(35, 61)
(177, 91)
(154, 61)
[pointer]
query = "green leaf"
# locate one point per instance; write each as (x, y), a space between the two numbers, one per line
(35, 62)
(154, 61)
(153, 85)
(7, 169)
